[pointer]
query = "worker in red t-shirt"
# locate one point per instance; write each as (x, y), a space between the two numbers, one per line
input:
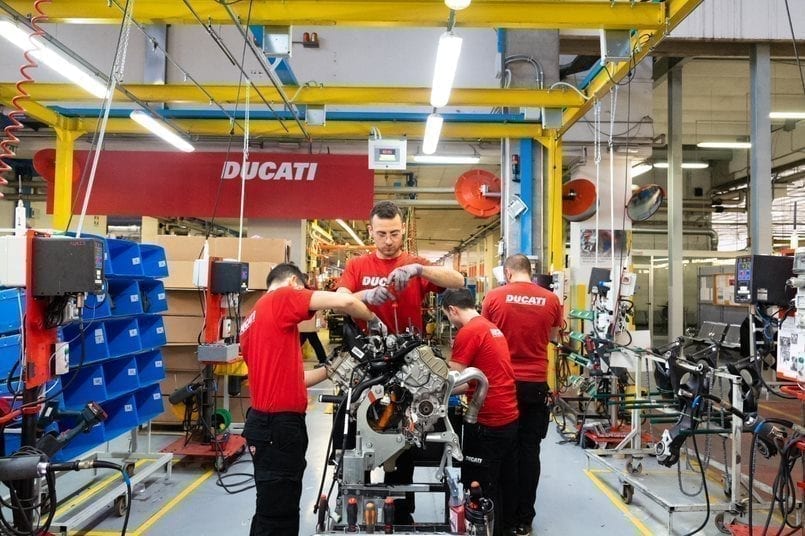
(490, 445)
(530, 317)
(393, 284)
(275, 424)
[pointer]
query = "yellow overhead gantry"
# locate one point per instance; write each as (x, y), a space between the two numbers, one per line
(535, 14)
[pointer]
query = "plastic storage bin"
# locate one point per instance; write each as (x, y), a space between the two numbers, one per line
(154, 261)
(93, 343)
(12, 310)
(123, 337)
(153, 297)
(82, 443)
(149, 403)
(121, 376)
(125, 297)
(84, 385)
(123, 259)
(10, 353)
(97, 307)
(121, 416)
(13, 440)
(152, 331)
(151, 367)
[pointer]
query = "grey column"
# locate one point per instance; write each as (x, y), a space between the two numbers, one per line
(155, 68)
(760, 188)
(675, 194)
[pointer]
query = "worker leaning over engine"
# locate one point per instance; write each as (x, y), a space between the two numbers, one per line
(490, 445)
(393, 284)
(275, 424)
(530, 317)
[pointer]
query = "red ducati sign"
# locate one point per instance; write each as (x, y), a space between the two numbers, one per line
(278, 186)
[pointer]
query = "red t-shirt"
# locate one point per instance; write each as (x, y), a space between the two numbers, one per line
(525, 313)
(269, 342)
(479, 343)
(369, 271)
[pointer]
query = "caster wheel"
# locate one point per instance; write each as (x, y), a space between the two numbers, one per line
(220, 464)
(627, 493)
(120, 505)
(587, 443)
(720, 523)
(634, 469)
(129, 467)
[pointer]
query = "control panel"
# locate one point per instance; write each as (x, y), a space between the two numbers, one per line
(763, 279)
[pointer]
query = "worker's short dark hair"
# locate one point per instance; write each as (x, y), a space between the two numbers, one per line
(385, 210)
(283, 271)
(518, 263)
(461, 298)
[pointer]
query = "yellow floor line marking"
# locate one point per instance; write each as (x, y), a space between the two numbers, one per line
(172, 503)
(618, 502)
(89, 492)
(139, 531)
(788, 416)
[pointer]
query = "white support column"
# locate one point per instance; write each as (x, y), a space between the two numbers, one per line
(760, 188)
(676, 190)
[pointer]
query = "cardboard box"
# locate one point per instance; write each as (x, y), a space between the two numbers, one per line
(248, 300)
(183, 329)
(253, 249)
(258, 271)
(184, 303)
(180, 275)
(181, 248)
(181, 358)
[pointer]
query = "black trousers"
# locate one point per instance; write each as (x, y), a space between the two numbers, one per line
(490, 458)
(313, 338)
(278, 443)
(532, 401)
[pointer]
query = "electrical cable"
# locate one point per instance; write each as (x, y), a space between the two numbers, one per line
(706, 491)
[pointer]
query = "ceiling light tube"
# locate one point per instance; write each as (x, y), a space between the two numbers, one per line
(640, 169)
(44, 54)
(161, 130)
(685, 165)
(433, 129)
(445, 70)
(457, 5)
(445, 159)
(787, 115)
(350, 232)
(724, 145)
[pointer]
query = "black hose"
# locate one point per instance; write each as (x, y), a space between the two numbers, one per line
(704, 484)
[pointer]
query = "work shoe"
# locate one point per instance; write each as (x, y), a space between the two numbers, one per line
(523, 530)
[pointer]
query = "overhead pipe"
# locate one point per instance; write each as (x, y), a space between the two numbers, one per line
(703, 232)
(440, 203)
(413, 190)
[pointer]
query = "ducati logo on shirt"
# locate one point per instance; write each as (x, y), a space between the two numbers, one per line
(248, 322)
(525, 300)
(496, 332)
(374, 281)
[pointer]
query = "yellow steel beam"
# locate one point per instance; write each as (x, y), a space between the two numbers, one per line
(642, 43)
(336, 95)
(546, 14)
(334, 129)
(63, 189)
(33, 109)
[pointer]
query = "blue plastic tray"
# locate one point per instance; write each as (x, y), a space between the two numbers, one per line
(149, 403)
(121, 416)
(12, 310)
(151, 367)
(121, 376)
(152, 331)
(124, 259)
(153, 297)
(10, 353)
(84, 385)
(124, 337)
(125, 297)
(154, 262)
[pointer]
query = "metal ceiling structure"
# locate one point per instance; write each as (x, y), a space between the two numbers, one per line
(649, 22)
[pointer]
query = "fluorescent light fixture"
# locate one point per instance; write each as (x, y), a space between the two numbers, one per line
(685, 165)
(56, 61)
(457, 5)
(640, 169)
(724, 145)
(787, 115)
(350, 231)
(433, 129)
(161, 130)
(445, 159)
(445, 70)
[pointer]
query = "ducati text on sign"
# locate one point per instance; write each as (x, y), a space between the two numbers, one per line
(200, 184)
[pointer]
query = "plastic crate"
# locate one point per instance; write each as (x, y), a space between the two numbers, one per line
(125, 297)
(121, 416)
(152, 331)
(154, 261)
(97, 307)
(82, 443)
(149, 403)
(123, 337)
(13, 439)
(84, 385)
(12, 310)
(153, 297)
(121, 376)
(93, 343)
(122, 259)
(10, 353)
(151, 367)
